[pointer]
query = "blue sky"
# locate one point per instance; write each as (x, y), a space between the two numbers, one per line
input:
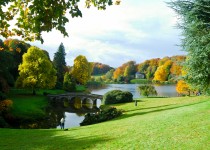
(135, 30)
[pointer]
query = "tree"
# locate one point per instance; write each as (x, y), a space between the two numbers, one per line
(109, 74)
(60, 64)
(161, 74)
(182, 87)
(32, 17)
(16, 48)
(36, 71)
(195, 25)
(146, 90)
(99, 68)
(7, 64)
(69, 83)
(82, 69)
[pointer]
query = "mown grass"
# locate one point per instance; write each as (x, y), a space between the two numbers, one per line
(26, 105)
(157, 123)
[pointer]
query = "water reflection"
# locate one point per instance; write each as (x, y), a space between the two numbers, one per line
(74, 112)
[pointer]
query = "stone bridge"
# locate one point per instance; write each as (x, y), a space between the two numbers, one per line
(76, 100)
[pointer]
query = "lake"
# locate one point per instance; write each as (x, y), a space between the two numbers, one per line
(74, 119)
(162, 90)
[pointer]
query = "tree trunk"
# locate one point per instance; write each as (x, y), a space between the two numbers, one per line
(34, 92)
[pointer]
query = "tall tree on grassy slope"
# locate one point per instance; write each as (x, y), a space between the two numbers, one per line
(36, 71)
(195, 25)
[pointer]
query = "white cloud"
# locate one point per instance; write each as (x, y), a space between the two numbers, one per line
(135, 30)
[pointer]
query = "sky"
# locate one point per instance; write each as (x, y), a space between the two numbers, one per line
(135, 30)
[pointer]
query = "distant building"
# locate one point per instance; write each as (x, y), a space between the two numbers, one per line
(139, 75)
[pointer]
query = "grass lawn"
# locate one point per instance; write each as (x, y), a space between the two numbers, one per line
(156, 123)
(27, 105)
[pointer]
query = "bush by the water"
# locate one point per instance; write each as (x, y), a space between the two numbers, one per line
(146, 90)
(117, 96)
(103, 115)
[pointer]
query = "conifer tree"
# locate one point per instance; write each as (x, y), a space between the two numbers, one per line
(195, 25)
(60, 64)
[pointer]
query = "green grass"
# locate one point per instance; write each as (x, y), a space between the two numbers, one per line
(29, 106)
(158, 123)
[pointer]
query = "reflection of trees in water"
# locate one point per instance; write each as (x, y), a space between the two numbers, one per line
(55, 111)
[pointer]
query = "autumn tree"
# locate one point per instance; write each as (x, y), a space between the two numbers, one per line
(99, 68)
(30, 18)
(148, 67)
(36, 71)
(82, 69)
(60, 65)
(163, 71)
(127, 69)
(194, 23)
(182, 87)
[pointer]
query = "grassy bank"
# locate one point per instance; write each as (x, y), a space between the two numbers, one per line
(156, 123)
(27, 105)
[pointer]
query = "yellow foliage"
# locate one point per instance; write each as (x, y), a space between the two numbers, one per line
(82, 69)
(161, 74)
(182, 87)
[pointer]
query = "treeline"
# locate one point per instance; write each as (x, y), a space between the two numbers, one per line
(29, 67)
(99, 68)
(165, 70)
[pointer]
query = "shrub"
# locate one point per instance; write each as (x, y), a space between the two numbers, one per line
(103, 115)
(146, 90)
(69, 83)
(5, 105)
(117, 96)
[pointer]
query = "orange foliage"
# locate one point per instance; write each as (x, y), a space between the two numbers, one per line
(5, 105)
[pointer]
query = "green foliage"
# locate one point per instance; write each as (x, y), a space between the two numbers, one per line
(36, 71)
(104, 115)
(69, 83)
(60, 64)
(99, 68)
(6, 66)
(16, 48)
(30, 18)
(117, 96)
(109, 74)
(195, 25)
(146, 90)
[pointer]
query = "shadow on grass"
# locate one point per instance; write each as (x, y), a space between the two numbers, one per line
(149, 108)
(156, 110)
(48, 139)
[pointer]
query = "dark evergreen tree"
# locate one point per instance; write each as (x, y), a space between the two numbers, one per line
(195, 25)
(60, 65)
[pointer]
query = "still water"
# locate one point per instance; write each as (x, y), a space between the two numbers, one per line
(162, 90)
(74, 119)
